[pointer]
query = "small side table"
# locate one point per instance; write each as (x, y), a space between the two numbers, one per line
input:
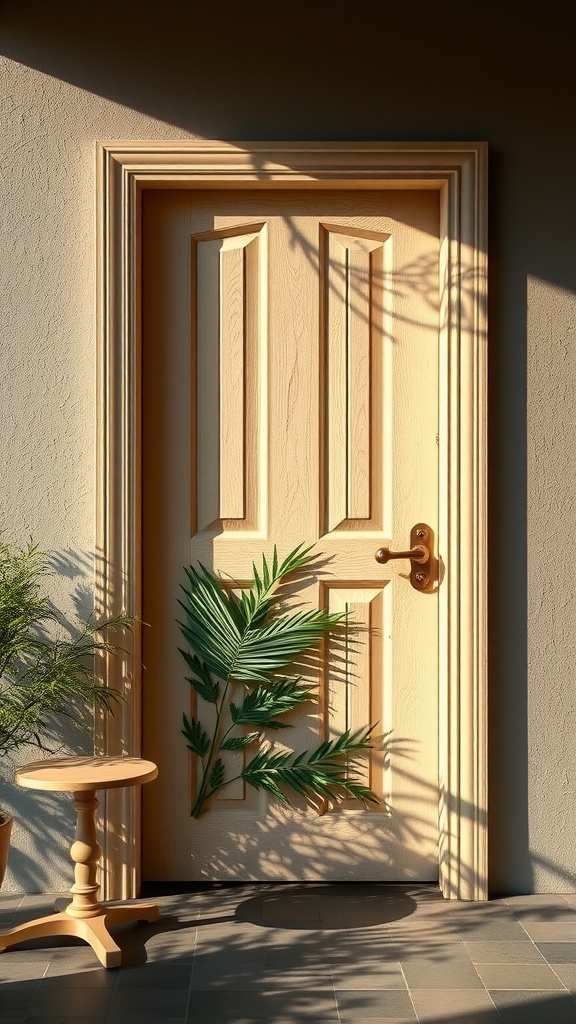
(85, 917)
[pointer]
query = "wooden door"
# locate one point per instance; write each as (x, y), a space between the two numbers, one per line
(290, 389)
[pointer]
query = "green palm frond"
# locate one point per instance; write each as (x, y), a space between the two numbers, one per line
(235, 639)
(238, 742)
(328, 772)
(221, 627)
(256, 602)
(217, 775)
(198, 740)
(263, 703)
(272, 647)
(202, 681)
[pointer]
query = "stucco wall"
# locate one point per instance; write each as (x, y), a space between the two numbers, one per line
(71, 73)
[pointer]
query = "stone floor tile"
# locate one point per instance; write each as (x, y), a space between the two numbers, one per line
(558, 952)
(63, 976)
(309, 1004)
(165, 947)
(207, 957)
(464, 909)
(331, 917)
(426, 974)
(567, 975)
(226, 979)
(139, 1017)
(438, 952)
(458, 1006)
(545, 914)
(154, 975)
(540, 899)
(288, 910)
(234, 1017)
(167, 1001)
(293, 958)
(364, 1003)
(72, 1002)
(39, 1020)
(492, 952)
(40, 900)
(377, 1020)
(16, 1000)
(381, 976)
(10, 901)
(75, 958)
(17, 985)
(85, 1020)
(298, 980)
(424, 929)
(40, 958)
(558, 931)
(16, 973)
(535, 1007)
(218, 1007)
(518, 976)
(494, 931)
(422, 945)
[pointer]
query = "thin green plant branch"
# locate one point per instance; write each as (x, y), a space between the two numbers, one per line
(207, 767)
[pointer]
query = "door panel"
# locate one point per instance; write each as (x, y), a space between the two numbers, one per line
(290, 354)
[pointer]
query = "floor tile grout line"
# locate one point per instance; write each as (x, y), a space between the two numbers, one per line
(409, 990)
(488, 993)
(335, 997)
(533, 941)
(553, 968)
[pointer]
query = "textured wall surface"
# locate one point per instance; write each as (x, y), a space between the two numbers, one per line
(72, 73)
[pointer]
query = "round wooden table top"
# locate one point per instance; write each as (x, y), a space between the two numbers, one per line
(75, 774)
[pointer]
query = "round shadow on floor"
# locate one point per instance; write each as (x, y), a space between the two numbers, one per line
(327, 906)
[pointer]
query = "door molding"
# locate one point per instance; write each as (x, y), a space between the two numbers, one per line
(458, 171)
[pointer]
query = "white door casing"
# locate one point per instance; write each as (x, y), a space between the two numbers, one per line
(458, 173)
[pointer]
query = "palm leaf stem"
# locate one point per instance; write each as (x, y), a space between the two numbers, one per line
(207, 764)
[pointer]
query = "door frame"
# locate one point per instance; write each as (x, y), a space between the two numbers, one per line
(458, 171)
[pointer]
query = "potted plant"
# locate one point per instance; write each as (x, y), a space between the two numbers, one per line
(245, 639)
(46, 667)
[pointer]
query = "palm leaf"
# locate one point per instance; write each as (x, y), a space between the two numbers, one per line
(220, 627)
(198, 740)
(217, 775)
(234, 639)
(202, 681)
(328, 773)
(264, 703)
(276, 645)
(238, 742)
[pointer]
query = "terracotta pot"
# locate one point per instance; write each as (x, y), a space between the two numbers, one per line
(5, 830)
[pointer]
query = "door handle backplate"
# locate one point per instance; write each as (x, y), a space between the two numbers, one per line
(423, 562)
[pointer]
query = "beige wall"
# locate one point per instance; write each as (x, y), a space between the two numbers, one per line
(71, 73)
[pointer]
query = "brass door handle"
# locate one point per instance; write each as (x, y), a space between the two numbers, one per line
(421, 554)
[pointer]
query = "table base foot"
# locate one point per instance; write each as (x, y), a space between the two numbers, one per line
(93, 930)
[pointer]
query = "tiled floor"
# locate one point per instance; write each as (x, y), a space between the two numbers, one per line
(293, 953)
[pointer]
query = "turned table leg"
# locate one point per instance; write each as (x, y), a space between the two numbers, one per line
(85, 852)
